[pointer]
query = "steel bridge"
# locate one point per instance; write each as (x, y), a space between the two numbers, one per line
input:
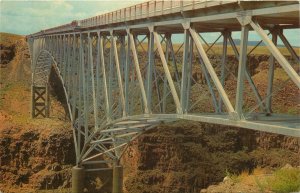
(122, 73)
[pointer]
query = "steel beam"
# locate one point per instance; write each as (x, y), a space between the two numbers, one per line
(94, 87)
(241, 72)
(121, 92)
(150, 70)
(105, 86)
(276, 53)
(271, 76)
(138, 72)
(185, 74)
(223, 64)
(126, 78)
(258, 97)
(212, 73)
(288, 46)
(167, 73)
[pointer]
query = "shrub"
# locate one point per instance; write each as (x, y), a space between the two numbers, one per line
(285, 180)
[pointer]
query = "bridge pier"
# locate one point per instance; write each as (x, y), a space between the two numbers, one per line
(117, 178)
(40, 101)
(78, 177)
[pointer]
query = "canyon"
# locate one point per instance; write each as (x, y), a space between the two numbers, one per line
(38, 154)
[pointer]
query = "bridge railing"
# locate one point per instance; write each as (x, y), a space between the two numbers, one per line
(140, 11)
(147, 9)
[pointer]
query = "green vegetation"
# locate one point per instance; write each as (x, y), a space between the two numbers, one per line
(285, 180)
(3, 91)
(261, 184)
(234, 177)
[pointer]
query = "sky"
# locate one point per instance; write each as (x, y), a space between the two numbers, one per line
(26, 17)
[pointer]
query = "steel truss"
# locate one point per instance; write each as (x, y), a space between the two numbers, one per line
(122, 80)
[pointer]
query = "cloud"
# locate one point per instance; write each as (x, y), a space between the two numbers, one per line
(25, 17)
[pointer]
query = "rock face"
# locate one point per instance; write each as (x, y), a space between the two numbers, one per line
(188, 157)
(7, 53)
(34, 153)
(179, 157)
(36, 158)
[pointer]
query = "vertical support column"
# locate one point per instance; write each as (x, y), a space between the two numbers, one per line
(136, 44)
(94, 83)
(74, 76)
(138, 72)
(126, 74)
(78, 177)
(241, 71)
(67, 60)
(223, 63)
(47, 101)
(111, 75)
(57, 48)
(117, 178)
(150, 69)
(120, 82)
(184, 70)
(167, 73)
(122, 54)
(85, 83)
(47, 43)
(101, 50)
(248, 76)
(212, 74)
(80, 95)
(189, 74)
(40, 101)
(64, 57)
(32, 102)
(165, 91)
(68, 66)
(53, 45)
(122, 65)
(271, 76)
(173, 55)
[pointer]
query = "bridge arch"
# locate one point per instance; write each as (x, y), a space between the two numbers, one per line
(42, 66)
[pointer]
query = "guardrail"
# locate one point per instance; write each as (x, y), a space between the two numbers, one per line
(148, 9)
(140, 11)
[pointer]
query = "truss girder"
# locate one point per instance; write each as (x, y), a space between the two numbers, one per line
(120, 82)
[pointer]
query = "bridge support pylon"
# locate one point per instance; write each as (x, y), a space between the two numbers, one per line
(117, 178)
(40, 101)
(78, 177)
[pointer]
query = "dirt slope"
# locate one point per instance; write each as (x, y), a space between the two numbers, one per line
(32, 152)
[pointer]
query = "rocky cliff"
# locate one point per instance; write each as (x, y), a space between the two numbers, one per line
(185, 157)
(179, 157)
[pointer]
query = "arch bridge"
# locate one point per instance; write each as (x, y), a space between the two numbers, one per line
(126, 71)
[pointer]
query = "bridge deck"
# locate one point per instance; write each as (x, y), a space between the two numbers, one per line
(206, 16)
